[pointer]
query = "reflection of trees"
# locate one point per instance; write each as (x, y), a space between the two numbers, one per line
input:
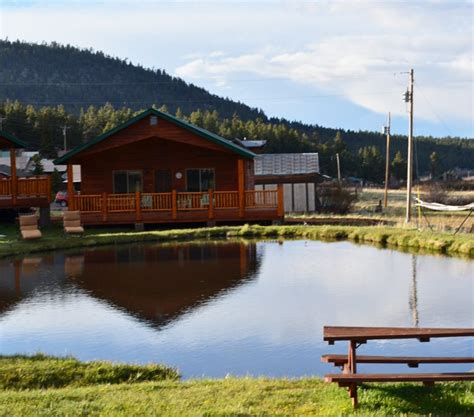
(413, 299)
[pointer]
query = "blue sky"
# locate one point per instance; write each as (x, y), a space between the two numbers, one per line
(334, 63)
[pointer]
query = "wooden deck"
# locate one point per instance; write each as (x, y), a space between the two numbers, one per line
(174, 207)
(25, 192)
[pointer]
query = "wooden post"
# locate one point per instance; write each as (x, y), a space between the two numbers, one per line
(174, 205)
(70, 187)
(352, 357)
(211, 204)
(280, 207)
(104, 207)
(13, 178)
(49, 191)
(241, 185)
(387, 164)
(292, 197)
(138, 206)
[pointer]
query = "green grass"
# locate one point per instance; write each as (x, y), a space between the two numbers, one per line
(40, 371)
(401, 238)
(107, 396)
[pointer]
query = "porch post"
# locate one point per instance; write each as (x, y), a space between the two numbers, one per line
(13, 178)
(70, 187)
(241, 186)
(211, 204)
(138, 206)
(280, 207)
(104, 207)
(174, 204)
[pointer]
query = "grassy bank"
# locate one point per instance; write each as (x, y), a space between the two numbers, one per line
(40, 371)
(54, 239)
(220, 397)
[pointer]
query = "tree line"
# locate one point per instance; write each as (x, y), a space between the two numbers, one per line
(43, 129)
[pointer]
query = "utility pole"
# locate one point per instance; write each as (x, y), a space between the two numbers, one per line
(409, 99)
(387, 162)
(65, 128)
(338, 168)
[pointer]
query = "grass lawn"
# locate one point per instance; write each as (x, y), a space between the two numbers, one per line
(125, 390)
(53, 238)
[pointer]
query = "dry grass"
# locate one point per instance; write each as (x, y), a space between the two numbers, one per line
(369, 198)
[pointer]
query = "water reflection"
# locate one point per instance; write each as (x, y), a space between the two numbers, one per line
(153, 283)
(240, 308)
(413, 301)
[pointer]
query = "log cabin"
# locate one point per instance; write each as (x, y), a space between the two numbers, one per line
(156, 168)
(21, 192)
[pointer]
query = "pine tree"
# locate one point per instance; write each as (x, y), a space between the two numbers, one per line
(434, 162)
(399, 166)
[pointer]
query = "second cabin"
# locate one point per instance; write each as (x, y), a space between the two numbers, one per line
(156, 168)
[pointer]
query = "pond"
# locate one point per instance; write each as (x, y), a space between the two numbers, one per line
(238, 307)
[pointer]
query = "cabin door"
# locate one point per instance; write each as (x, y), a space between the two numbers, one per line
(162, 181)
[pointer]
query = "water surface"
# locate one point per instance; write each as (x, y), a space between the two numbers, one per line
(231, 307)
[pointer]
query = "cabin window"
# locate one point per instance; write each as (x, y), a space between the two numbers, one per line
(201, 179)
(127, 182)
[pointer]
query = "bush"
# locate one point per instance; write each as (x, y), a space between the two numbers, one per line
(333, 198)
(435, 193)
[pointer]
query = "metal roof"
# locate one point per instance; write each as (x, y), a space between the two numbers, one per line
(286, 164)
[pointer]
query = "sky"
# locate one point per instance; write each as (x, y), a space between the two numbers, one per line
(340, 64)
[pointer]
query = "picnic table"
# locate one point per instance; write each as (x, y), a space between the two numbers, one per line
(355, 336)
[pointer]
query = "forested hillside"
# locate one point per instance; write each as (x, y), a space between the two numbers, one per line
(45, 87)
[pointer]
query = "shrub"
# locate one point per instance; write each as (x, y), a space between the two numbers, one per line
(333, 198)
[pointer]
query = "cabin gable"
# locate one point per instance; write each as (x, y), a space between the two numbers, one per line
(144, 130)
(153, 123)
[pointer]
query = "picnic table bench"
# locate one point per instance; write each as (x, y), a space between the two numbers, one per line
(356, 336)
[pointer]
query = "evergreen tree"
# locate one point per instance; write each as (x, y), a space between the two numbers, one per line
(399, 166)
(38, 168)
(56, 181)
(434, 161)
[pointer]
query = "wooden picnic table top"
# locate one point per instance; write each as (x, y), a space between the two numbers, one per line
(361, 334)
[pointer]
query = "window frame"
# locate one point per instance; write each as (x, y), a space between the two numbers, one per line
(200, 169)
(127, 171)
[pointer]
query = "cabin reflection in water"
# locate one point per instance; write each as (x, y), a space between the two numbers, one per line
(155, 283)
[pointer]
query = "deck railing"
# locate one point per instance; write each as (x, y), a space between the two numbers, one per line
(26, 187)
(34, 186)
(175, 202)
(5, 187)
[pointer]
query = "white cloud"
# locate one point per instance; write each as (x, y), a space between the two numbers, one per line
(365, 67)
(349, 49)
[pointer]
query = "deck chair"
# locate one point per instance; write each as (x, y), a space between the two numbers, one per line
(29, 227)
(72, 223)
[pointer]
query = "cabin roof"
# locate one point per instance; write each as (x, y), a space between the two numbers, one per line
(212, 137)
(17, 143)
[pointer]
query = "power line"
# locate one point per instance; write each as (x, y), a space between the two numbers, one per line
(433, 110)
